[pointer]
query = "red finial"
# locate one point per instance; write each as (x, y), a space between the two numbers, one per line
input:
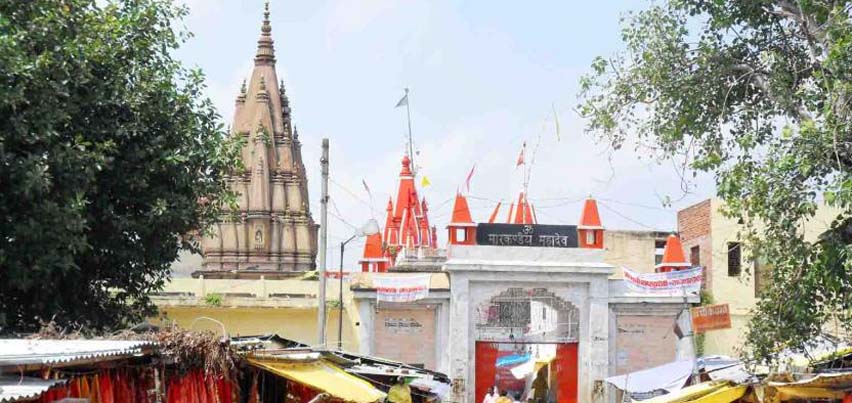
(406, 166)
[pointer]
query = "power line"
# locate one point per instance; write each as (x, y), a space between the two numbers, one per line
(637, 205)
(627, 218)
(351, 193)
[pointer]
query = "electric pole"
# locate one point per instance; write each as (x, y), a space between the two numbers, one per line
(323, 243)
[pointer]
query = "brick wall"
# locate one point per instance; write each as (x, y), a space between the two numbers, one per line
(693, 224)
(694, 221)
(406, 335)
(644, 341)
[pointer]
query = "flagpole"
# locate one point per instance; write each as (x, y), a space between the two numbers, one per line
(410, 137)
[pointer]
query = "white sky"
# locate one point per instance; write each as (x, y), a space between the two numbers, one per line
(483, 77)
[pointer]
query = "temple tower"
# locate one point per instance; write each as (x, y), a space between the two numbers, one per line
(673, 257)
(272, 229)
(590, 231)
(408, 234)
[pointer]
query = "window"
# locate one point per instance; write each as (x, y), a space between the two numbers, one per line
(695, 256)
(734, 259)
(461, 235)
(590, 237)
(544, 313)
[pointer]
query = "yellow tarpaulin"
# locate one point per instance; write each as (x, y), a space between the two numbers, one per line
(822, 386)
(324, 377)
(726, 394)
(707, 392)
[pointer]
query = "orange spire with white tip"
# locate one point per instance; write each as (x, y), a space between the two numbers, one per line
(673, 256)
(590, 231)
(462, 229)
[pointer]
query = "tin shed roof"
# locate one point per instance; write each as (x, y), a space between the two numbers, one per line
(52, 352)
(16, 389)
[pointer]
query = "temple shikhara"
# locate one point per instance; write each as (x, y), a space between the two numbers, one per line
(273, 228)
(408, 238)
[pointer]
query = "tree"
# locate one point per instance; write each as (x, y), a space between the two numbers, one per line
(758, 93)
(109, 154)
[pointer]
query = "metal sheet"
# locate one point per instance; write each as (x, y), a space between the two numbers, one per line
(15, 388)
(46, 352)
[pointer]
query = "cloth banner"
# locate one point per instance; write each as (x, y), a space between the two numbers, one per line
(675, 281)
(402, 289)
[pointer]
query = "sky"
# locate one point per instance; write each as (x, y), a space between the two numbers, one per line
(485, 78)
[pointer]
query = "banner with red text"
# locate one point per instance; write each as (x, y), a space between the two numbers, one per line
(672, 282)
(401, 288)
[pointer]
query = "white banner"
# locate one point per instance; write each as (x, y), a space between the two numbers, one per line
(401, 289)
(675, 281)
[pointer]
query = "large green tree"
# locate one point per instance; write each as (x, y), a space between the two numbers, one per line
(109, 153)
(757, 92)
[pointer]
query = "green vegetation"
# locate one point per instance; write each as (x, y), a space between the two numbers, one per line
(758, 94)
(213, 299)
(109, 155)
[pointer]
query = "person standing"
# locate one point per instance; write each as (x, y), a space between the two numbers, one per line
(492, 395)
(399, 392)
(504, 398)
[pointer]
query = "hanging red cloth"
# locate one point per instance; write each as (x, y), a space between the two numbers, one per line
(105, 381)
(74, 387)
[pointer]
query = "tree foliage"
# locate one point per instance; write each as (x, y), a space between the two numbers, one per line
(109, 154)
(758, 93)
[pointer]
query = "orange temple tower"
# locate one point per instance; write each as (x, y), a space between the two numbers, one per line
(407, 234)
(462, 229)
(673, 257)
(590, 231)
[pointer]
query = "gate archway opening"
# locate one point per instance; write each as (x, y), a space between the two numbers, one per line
(526, 344)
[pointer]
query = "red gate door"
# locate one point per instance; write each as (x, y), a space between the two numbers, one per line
(486, 368)
(566, 373)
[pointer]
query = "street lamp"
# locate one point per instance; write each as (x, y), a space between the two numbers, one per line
(371, 227)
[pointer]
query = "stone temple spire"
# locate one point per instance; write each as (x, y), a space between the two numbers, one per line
(272, 228)
(265, 49)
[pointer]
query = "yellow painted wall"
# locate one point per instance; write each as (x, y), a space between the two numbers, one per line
(290, 323)
(287, 308)
(739, 291)
(632, 249)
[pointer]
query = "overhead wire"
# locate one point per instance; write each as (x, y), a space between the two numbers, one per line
(614, 211)
(354, 196)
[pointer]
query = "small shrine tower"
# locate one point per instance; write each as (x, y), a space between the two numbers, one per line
(590, 230)
(673, 256)
(522, 213)
(462, 229)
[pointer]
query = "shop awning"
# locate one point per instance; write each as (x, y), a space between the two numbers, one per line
(707, 392)
(822, 386)
(324, 377)
(669, 377)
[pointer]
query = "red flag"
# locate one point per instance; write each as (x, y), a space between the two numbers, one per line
(521, 155)
(470, 175)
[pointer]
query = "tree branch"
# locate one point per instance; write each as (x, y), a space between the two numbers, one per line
(760, 80)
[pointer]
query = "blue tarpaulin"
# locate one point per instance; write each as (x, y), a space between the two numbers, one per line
(511, 360)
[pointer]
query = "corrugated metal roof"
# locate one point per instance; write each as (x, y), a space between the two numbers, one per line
(15, 388)
(47, 352)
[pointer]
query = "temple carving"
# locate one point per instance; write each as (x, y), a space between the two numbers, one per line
(272, 229)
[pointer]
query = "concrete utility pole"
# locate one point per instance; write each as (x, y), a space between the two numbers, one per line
(323, 243)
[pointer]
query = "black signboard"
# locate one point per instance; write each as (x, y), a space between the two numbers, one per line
(545, 236)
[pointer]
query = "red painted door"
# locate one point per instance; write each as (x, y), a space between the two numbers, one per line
(566, 373)
(486, 368)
